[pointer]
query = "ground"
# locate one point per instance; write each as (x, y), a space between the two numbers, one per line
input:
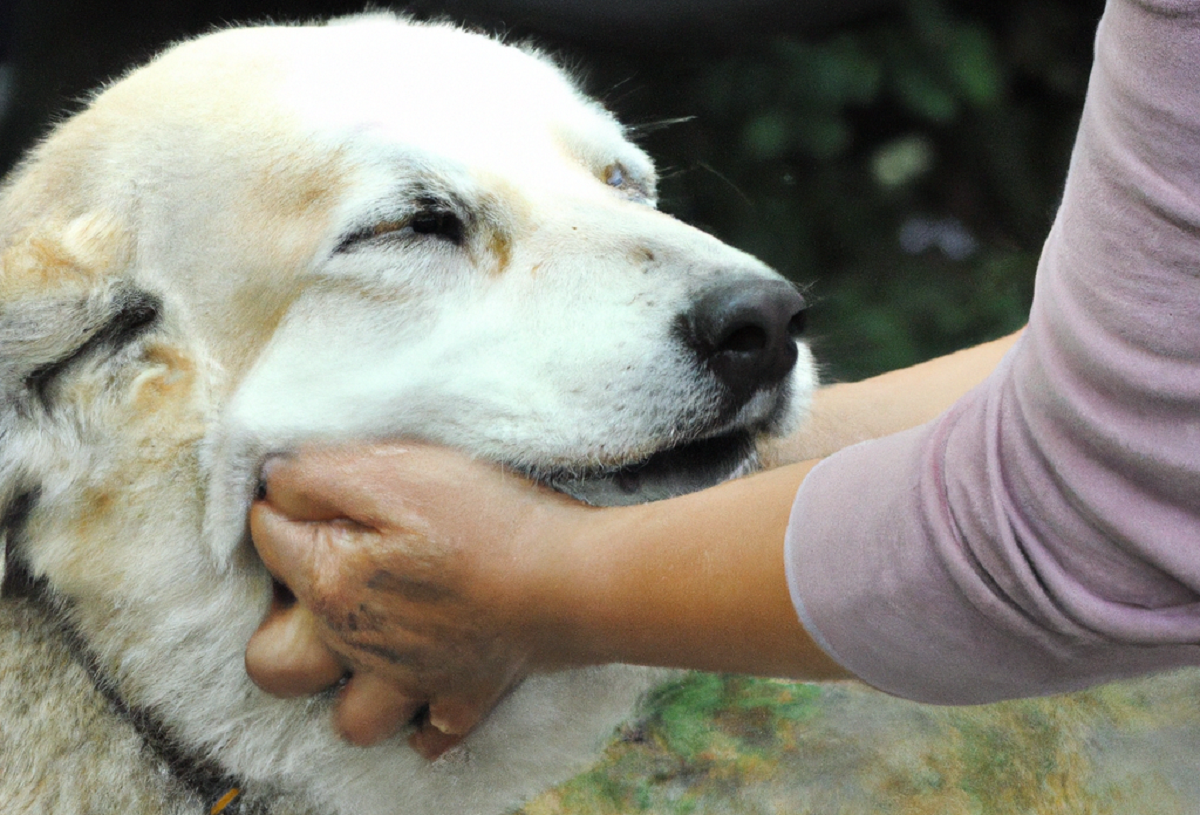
(741, 746)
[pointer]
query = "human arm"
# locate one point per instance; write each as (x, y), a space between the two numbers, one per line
(1040, 536)
(611, 585)
(846, 413)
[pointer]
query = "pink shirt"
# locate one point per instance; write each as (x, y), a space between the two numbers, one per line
(1044, 534)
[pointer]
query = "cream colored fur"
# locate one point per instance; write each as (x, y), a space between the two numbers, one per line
(191, 279)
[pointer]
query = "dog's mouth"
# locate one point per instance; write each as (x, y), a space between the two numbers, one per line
(666, 473)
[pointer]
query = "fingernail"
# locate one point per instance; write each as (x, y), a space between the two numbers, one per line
(443, 725)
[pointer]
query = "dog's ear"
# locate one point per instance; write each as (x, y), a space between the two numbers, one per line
(65, 300)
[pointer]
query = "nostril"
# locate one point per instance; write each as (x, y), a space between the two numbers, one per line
(797, 324)
(746, 339)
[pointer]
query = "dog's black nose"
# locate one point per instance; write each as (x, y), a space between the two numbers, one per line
(745, 332)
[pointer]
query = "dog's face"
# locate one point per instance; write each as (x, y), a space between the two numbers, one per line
(369, 229)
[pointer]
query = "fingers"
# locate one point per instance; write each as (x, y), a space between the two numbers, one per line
(462, 713)
(285, 546)
(322, 484)
(286, 658)
(370, 709)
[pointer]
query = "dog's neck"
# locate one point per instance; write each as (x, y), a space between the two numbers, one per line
(221, 791)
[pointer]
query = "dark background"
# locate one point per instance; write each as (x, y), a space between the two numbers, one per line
(900, 159)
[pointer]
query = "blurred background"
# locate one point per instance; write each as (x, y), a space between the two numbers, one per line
(899, 159)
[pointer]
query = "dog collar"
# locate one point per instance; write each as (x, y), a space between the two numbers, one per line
(222, 804)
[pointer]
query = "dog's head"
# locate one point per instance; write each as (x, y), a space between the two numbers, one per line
(277, 235)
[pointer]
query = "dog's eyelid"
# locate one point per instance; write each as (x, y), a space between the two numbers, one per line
(615, 175)
(438, 218)
(351, 239)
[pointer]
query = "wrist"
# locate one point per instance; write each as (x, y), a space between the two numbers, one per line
(542, 582)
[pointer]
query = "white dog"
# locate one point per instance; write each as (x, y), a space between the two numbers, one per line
(283, 234)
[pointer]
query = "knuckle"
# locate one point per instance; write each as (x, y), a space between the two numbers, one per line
(335, 584)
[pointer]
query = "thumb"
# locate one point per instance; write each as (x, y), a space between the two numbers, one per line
(354, 483)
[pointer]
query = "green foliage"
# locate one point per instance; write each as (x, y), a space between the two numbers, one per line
(818, 154)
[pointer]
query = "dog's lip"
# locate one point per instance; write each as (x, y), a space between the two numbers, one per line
(729, 448)
(675, 470)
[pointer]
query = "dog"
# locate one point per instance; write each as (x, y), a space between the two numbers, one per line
(293, 234)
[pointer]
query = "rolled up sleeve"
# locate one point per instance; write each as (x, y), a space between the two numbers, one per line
(1044, 534)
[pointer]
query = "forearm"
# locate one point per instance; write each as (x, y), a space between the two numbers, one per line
(847, 413)
(696, 581)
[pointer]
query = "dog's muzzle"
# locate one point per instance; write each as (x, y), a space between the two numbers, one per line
(743, 335)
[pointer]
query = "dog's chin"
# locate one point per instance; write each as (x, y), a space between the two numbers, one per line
(664, 474)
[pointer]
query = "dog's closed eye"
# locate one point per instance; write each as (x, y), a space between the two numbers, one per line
(439, 222)
(431, 218)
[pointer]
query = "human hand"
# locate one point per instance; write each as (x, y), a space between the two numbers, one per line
(431, 606)
(439, 582)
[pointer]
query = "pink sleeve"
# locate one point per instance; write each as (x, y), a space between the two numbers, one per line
(1044, 534)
